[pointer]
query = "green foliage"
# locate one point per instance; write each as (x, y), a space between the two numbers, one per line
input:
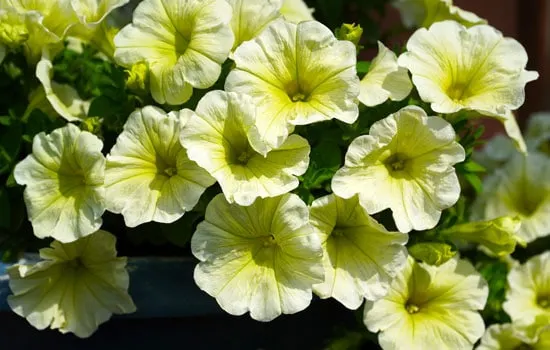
(495, 273)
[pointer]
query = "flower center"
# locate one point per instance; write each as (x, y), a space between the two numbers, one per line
(166, 169)
(245, 156)
(269, 241)
(338, 231)
(411, 308)
(544, 301)
(396, 162)
(75, 264)
(458, 91)
(296, 93)
(523, 346)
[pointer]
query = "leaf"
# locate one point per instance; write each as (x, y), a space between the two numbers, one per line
(325, 160)
(475, 181)
(473, 167)
(5, 212)
(10, 145)
(363, 67)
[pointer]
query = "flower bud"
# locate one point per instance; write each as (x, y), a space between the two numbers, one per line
(138, 77)
(350, 32)
(497, 236)
(432, 253)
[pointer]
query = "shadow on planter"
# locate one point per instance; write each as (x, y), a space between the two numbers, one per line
(174, 313)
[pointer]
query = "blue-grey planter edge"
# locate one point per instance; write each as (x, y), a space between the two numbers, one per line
(159, 286)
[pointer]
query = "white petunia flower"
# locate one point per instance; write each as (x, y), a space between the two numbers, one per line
(184, 42)
(528, 294)
(385, 79)
(423, 13)
(75, 288)
(297, 75)
(251, 17)
(521, 188)
(64, 176)
(359, 255)
(456, 68)
(405, 164)
(63, 98)
(221, 137)
(149, 176)
(430, 307)
(512, 336)
(295, 11)
(263, 258)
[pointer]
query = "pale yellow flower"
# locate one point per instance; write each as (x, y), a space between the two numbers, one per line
(513, 336)
(528, 294)
(263, 258)
(64, 177)
(430, 307)
(63, 98)
(184, 42)
(360, 256)
(148, 175)
(423, 13)
(457, 68)
(75, 288)
(385, 79)
(295, 11)
(251, 17)
(297, 75)
(221, 137)
(521, 188)
(405, 164)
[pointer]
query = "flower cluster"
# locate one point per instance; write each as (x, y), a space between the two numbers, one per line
(312, 173)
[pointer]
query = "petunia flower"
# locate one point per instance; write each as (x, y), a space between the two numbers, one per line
(63, 98)
(75, 288)
(512, 336)
(251, 17)
(297, 75)
(521, 188)
(528, 294)
(13, 30)
(64, 177)
(457, 68)
(222, 138)
(149, 176)
(385, 79)
(423, 13)
(263, 258)
(405, 164)
(48, 23)
(184, 42)
(295, 11)
(360, 256)
(430, 307)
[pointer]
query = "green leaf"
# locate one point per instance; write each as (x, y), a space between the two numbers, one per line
(473, 167)
(475, 181)
(363, 67)
(5, 211)
(325, 160)
(10, 144)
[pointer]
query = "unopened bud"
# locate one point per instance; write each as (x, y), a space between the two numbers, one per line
(350, 32)
(138, 77)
